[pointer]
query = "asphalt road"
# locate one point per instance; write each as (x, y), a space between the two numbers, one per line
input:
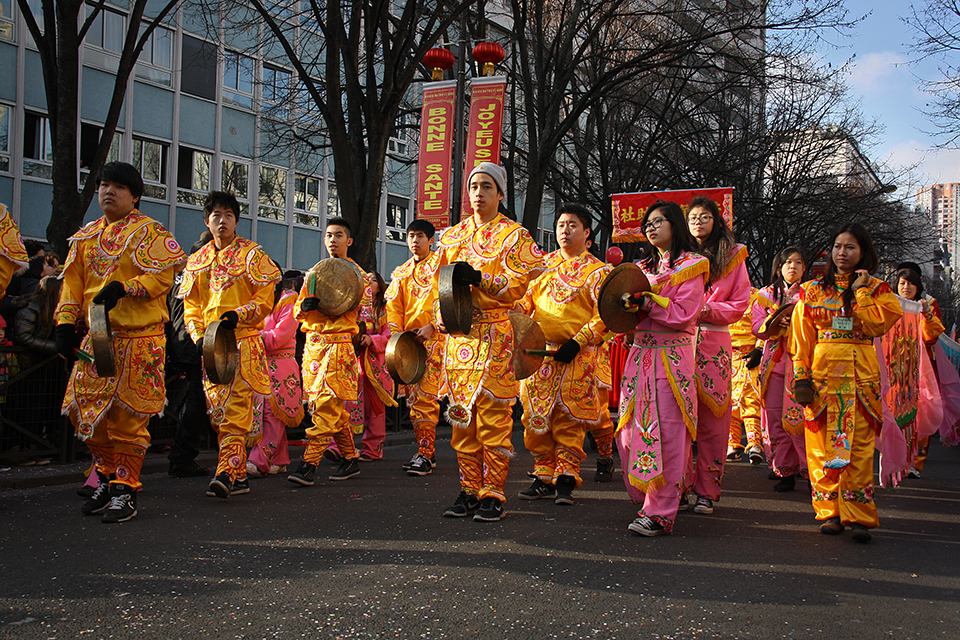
(372, 557)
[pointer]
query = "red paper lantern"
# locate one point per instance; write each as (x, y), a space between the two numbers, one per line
(488, 54)
(438, 59)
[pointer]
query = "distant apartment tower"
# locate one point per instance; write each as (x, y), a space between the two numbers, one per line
(942, 203)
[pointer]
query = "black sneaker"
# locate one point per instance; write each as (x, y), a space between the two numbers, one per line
(406, 465)
(539, 489)
(86, 491)
(123, 504)
(346, 470)
(787, 483)
(860, 533)
(100, 499)
(304, 474)
(604, 470)
(187, 470)
(646, 526)
(466, 504)
(565, 487)
(220, 486)
(420, 467)
(240, 487)
(755, 454)
(490, 510)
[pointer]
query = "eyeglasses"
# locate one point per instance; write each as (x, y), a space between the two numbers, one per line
(701, 219)
(653, 224)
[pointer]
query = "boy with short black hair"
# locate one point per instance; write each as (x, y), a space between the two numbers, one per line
(330, 370)
(231, 279)
(410, 299)
(124, 261)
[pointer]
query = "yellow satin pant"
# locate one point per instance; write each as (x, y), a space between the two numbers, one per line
(851, 496)
(483, 448)
(330, 420)
(119, 443)
(558, 450)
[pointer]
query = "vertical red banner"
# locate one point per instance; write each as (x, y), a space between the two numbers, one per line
(435, 163)
(486, 128)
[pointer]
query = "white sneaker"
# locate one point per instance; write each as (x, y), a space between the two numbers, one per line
(274, 469)
(252, 470)
(913, 473)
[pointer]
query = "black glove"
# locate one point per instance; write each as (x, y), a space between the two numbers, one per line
(110, 295)
(753, 358)
(67, 342)
(229, 320)
(803, 392)
(311, 303)
(567, 351)
(200, 348)
(465, 274)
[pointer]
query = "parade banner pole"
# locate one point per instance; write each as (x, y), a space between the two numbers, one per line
(485, 131)
(435, 164)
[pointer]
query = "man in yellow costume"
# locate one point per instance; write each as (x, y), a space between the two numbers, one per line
(124, 261)
(745, 398)
(561, 398)
(331, 369)
(479, 380)
(231, 279)
(13, 255)
(410, 299)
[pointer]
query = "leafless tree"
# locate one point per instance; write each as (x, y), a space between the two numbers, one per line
(355, 64)
(937, 36)
(59, 41)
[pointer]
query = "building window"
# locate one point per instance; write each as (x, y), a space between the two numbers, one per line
(396, 218)
(37, 146)
(273, 193)
(156, 59)
(333, 202)
(237, 79)
(199, 62)
(398, 137)
(193, 176)
(234, 178)
(5, 113)
(306, 192)
(90, 140)
(151, 160)
(6, 19)
(275, 91)
(107, 30)
(36, 8)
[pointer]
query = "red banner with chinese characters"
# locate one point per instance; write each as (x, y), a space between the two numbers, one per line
(486, 128)
(435, 163)
(628, 208)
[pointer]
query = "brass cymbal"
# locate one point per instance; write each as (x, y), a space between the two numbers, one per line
(101, 338)
(338, 284)
(527, 335)
(775, 317)
(456, 303)
(626, 278)
(220, 354)
(406, 358)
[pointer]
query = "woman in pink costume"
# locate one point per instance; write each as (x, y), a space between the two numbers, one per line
(284, 407)
(377, 384)
(724, 302)
(910, 286)
(658, 401)
(782, 417)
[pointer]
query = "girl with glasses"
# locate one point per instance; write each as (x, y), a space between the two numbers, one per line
(725, 301)
(658, 401)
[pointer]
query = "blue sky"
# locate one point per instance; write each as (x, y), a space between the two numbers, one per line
(887, 86)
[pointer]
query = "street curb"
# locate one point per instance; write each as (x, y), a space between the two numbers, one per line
(75, 472)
